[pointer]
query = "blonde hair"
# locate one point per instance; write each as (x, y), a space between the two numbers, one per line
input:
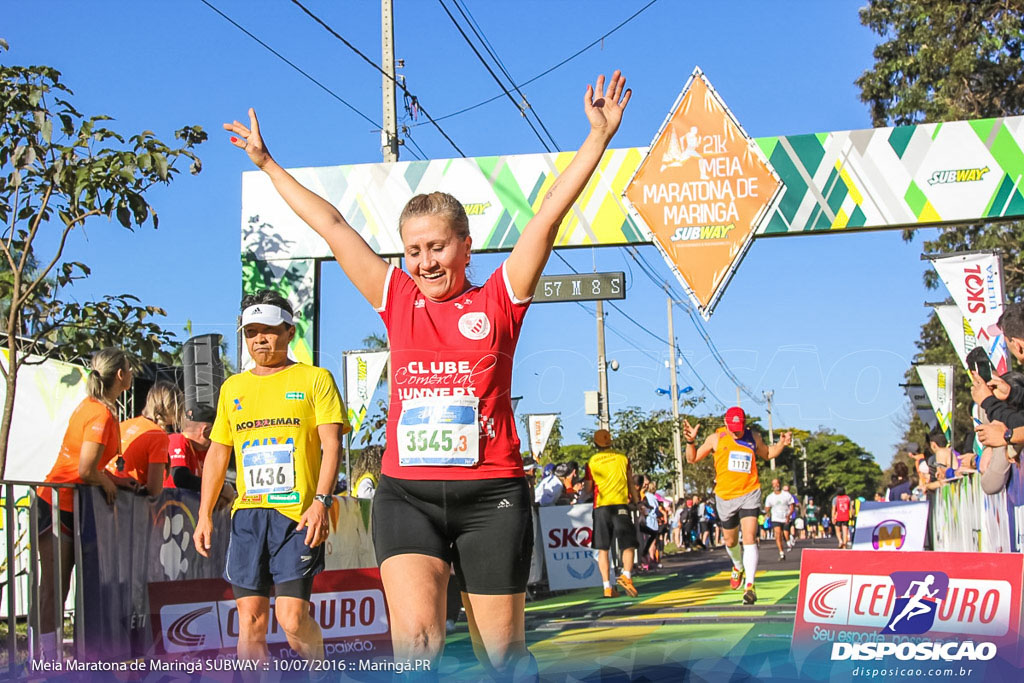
(164, 405)
(437, 204)
(105, 364)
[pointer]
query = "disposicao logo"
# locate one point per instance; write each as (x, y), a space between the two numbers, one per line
(959, 175)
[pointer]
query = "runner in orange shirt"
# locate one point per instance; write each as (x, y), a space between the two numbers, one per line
(92, 439)
(737, 488)
(144, 441)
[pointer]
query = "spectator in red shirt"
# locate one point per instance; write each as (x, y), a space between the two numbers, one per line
(187, 451)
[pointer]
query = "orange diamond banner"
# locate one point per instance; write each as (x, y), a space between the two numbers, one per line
(702, 190)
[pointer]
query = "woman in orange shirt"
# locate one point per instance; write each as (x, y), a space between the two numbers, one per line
(144, 439)
(92, 439)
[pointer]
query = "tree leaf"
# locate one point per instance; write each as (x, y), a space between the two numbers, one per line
(160, 164)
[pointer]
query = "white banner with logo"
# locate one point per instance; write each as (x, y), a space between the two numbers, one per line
(568, 556)
(362, 372)
(540, 430)
(976, 283)
(938, 384)
(891, 526)
(922, 406)
(958, 329)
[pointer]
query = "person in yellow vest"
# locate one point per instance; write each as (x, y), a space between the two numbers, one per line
(610, 479)
(737, 488)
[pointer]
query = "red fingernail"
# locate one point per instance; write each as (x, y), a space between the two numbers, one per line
(234, 139)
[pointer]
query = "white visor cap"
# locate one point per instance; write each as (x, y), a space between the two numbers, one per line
(265, 314)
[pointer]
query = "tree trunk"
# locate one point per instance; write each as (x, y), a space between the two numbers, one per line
(14, 362)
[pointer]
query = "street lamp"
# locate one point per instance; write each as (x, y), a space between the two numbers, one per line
(602, 386)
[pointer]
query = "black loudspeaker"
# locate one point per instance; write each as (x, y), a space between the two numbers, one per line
(204, 373)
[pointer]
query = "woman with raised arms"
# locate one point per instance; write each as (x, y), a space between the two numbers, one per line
(452, 490)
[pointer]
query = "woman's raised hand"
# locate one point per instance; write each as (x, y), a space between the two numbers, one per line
(604, 106)
(249, 139)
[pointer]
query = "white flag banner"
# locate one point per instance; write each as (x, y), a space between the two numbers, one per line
(540, 430)
(922, 406)
(961, 336)
(976, 283)
(938, 384)
(362, 372)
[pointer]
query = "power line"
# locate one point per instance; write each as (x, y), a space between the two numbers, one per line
(408, 136)
(378, 68)
(479, 33)
(556, 66)
(291, 64)
(628, 317)
(679, 301)
(493, 75)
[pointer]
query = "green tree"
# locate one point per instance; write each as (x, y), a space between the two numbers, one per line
(59, 169)
(943, 61)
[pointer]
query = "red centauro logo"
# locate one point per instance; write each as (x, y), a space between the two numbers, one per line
(817, 604)
(179, 634)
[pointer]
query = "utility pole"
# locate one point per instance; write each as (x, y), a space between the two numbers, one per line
(676, 444)
(771, 433)
(602, 371)
(389, 134)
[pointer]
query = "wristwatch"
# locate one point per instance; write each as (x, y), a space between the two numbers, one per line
(326, 499)
(1008, 435)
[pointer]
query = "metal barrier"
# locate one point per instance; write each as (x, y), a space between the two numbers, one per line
(966, 519)
(32, 557)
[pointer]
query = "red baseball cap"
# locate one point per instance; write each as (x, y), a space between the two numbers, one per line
(735, 419)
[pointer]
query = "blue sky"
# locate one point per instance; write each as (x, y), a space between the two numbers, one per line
(827, 321)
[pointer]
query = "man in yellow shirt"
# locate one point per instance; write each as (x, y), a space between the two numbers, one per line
(284, 421)
(737, 487)
(610, 478)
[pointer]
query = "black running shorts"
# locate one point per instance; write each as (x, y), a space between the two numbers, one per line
(483, 527)
(613, 522)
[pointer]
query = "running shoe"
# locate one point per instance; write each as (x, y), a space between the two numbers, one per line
(627, 585)
(749, 596)
(782, 556)
(736, 580)
(611, 592)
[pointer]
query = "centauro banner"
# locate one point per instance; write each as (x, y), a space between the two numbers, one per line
(362, 372)
(938, 385)
(702, 190)
(975, 280)
(540, 430)
(920, 612)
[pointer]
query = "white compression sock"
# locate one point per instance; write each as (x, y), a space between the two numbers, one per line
(734, 555)
(750, 561)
